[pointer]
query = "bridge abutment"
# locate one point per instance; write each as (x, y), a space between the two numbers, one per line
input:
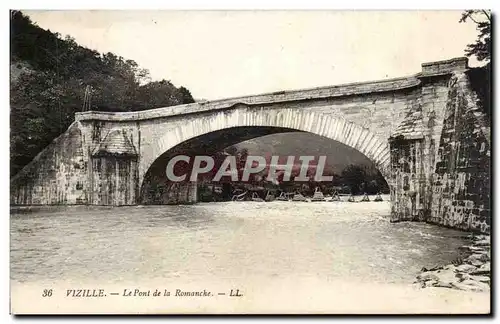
(440, 158)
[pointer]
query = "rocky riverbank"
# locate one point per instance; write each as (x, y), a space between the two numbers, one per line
(471, 273)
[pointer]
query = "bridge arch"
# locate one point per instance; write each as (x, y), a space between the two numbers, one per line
(285, 119)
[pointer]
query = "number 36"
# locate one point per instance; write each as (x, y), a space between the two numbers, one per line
(47, 293)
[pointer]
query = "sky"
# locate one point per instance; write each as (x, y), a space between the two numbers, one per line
(221, 54)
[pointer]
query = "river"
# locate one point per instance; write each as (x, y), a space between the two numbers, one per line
(239, 244)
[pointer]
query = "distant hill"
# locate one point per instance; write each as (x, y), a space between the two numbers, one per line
(338, 155)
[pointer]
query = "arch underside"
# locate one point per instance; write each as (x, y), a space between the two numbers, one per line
(206, 136)
(207, 144)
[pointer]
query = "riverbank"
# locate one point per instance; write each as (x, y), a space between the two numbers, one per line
(470, 273)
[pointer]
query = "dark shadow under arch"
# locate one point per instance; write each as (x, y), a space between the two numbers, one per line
(206, 144)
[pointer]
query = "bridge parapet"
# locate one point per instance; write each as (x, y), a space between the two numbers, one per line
(336, 91)
(444, 67)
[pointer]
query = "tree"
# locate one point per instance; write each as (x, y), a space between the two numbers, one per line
(231, 150)
(480, 77)
(45, 95)
(354, 176)
(185, 95)
(482, 47)
(242, 157)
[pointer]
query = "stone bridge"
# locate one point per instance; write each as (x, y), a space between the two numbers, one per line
(425, 133)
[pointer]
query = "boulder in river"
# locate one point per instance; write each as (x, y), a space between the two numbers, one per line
(481, 279)
(462, 276)
(467, 268)
(477, 257)
(484, 269)
(446, 277)
(482, 243)
(426, 276)
(472, 285)
(477, 249)
(434, 268)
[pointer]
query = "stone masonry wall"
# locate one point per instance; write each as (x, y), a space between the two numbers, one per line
(413, 151)
(461, 182)
(407, 179)
(58, 175)
(114, 181)
(380, 113)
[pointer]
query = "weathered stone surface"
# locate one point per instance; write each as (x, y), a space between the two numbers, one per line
(484, 269)
(446, 277)
(57, 175)
(474, 262)
(443, 66)
(481, 257)
(424, 133)
(428, 276)
(472, 285)
(460, 189)
(481, 278)
(116, 143)
(462, 276)
(465, 268)
(412, 126)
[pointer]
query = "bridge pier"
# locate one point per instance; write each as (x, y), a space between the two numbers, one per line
(408, 189)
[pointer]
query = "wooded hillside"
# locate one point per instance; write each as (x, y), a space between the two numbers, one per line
(49, 79)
